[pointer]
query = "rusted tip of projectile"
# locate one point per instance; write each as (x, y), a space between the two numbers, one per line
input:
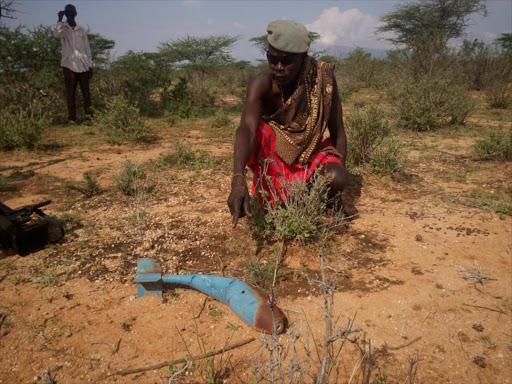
(266, 317)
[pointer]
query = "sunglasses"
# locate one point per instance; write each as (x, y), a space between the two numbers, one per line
(274, 59)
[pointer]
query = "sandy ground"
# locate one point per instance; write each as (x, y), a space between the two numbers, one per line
(72, 308)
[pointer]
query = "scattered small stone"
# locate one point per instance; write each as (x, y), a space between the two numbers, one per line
(480, 361)
(478, 327)
(502, 217)
(419, 238)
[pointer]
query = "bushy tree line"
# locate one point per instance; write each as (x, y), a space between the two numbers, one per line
(183, 77)
(424, 79)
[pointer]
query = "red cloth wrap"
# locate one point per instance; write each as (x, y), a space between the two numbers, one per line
(279, 172)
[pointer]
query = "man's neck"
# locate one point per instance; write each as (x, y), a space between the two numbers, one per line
(72, 23)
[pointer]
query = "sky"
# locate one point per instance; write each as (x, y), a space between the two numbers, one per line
(141, 25)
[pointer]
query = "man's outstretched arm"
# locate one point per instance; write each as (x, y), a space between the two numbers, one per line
(245, 137)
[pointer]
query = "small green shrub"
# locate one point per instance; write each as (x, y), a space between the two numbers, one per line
(129, 180)
(496, 146)
(140, 79)
(499, 95)
(347, 86)
(49, 279)
(22, 128)
(183, 110)
(88, 186)
(302, 217)
(221, 120)
(365, 127)
(427, 104)
(184, 155)
(180, 90)
(71, 219)
(261, 272)
(489, 201)
(180, 104)
(121, 122)
(487, 67)
(387, 156)
(360, 65)
(505, 209)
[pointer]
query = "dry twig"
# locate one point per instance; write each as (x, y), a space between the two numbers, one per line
(184, 360)
(201, 310)
(488, 308)
(475, 274)
(413, 369)
(49, 378)
(178, 373)
(391, 348)
(118, 344)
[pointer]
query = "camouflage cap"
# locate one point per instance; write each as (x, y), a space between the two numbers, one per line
(288, 36)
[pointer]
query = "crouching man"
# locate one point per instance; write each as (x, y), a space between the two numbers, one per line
(287, 110)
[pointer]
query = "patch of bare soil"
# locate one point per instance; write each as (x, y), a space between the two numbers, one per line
(425, 268)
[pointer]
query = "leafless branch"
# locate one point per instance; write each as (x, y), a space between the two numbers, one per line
(7, 9)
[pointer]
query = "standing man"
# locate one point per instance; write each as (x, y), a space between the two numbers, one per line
(76, 60)
(287, 109)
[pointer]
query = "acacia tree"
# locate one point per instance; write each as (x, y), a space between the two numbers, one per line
(199, 52)
(505, 41)
(99, 47)
(425, 27)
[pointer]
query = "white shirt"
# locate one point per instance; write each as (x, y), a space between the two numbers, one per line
(76, 52)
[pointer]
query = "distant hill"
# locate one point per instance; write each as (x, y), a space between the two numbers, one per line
(342, 52)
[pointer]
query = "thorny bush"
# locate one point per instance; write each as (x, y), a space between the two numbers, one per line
(429, 103)
(121, 122)
(496, 146)
(21, 128)
(370, 143)
(129, 181)
(302, 217)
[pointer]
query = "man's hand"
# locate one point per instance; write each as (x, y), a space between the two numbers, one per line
(239, 199)
(61, 15)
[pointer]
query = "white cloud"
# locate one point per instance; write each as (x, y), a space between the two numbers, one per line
(350, 27)
(237, 25)
(490, 36)
(190, 3)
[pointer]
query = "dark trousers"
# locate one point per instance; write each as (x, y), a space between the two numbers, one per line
(71, 79)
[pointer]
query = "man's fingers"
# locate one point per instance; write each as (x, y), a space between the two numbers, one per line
(236, 213)
(247, 205)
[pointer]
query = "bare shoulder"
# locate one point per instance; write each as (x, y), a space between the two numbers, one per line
(260, 84)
